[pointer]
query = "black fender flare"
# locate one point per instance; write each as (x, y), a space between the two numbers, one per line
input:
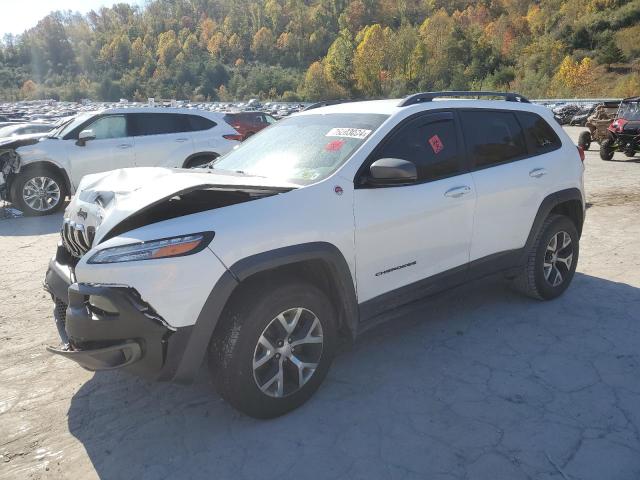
(545, 208)
(195, 347)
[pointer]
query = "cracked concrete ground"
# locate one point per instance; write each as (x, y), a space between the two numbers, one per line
(478, 383)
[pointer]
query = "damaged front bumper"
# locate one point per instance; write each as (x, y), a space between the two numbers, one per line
(9, 164)
(106, 358)
(105, 327)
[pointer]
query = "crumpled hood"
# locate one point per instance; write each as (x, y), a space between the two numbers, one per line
(104, 200)
(17, 141)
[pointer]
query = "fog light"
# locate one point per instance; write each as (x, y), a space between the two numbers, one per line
(103, 304)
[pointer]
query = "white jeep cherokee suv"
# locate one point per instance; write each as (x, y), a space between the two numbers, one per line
(316, 228)
(44, 172)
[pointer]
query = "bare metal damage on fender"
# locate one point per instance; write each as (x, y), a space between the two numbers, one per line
(10, 161)
(9, 166)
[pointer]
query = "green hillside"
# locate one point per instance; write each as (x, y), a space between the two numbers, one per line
(297, 49)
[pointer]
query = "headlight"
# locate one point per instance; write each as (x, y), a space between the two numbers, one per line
(162, 248)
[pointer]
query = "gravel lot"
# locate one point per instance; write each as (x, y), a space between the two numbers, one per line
(476, 383)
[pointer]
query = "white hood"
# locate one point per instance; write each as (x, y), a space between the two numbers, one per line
(104, 200)
(20, 138)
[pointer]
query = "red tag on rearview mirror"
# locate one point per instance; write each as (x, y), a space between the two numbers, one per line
(436, 144)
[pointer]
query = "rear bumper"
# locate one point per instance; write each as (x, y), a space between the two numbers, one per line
(106, 327)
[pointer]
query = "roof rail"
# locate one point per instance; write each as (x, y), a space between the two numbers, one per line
(326, 103)
(429, 96)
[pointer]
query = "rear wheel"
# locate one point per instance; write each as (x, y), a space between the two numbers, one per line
(200, 160)
(606, 149)
(273, 348)
(552, 259)
(39, 191)
(584, 140)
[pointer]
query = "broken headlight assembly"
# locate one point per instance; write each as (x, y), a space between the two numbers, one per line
(162, 248)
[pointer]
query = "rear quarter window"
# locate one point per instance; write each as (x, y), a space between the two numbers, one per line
(198, 123)
(540, 136)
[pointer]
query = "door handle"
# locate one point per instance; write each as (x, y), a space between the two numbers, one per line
(124, 146)
(180, 140)
(538, 172)
(457, 192)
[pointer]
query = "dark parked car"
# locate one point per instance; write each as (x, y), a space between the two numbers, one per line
(564, 113)
(249, 123)
(580, 118)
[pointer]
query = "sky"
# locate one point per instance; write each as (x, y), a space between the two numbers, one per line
(16, 16)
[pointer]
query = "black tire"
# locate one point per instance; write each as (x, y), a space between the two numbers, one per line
(533, 280)
(200, 160)
(235, 342)
(629, 153)
(32, 174)
(584, 140)
(606, 150)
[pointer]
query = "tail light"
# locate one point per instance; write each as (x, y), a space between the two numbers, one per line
(581, 153)
(234, 136)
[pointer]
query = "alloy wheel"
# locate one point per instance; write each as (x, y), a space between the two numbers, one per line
(41, 193)
(288, 352)
(558, 258)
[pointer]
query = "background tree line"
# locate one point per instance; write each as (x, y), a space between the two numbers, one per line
(322, 49)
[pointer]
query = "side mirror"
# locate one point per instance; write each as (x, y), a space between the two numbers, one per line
(392, 171)
(84, 137)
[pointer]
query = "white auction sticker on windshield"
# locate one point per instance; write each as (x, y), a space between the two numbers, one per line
(349, 132)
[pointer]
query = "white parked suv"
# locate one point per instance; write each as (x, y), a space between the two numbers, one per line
(44, 172)
(314, 229)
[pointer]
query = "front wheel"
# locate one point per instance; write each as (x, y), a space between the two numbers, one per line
(200, 160)
(552, 259)
(606, 150)
(38, 191)
(273, 348)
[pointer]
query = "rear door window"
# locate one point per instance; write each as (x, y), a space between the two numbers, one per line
(539, 135)
(492, 137)
(430, 142)
(158, 123)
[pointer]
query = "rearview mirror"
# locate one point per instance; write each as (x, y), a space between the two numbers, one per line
(84, 137)
(392, 171)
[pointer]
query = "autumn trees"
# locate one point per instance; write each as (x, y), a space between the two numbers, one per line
(316, 49)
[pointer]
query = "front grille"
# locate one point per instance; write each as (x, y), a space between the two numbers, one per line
(76, 239)
(60, 312)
